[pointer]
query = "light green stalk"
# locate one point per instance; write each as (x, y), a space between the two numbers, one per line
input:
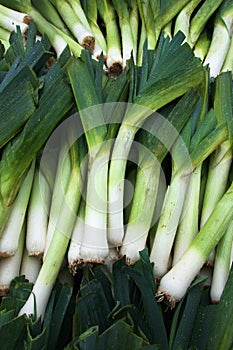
(188, 225)
(182, 22)
(202, 46)
(142, 40)
(167, 11)
(78, 10)
(147, 19)
(200, 19)
(8, 12)
(228, 63)
(4, 37)
(167, 30)
(60, 185)
(48, 11)
(222, 264)
(168, 223)
(4, 34)
(141, 214)
(134, 23)
(10, 236)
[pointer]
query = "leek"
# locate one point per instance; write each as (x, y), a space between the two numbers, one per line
(114, 55)
(221, 159)
(159, 86)
(91, 12)
(58, 39)
(64, 227)
(10, 19)
(127, 42)
(74, 23)
(151, 155)
(177, 280)
(184, 165)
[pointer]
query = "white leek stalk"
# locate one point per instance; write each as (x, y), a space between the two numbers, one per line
(30, 267)
(58, 39)
(94, 246)
(37, 216)
(10, 19)
(91, 13)
(120, 152)
(74, 257)
(10, 237)
(114, 55)
(127, 42)
(219, 44)
(19, 16)
(10, 267)
(113, 255)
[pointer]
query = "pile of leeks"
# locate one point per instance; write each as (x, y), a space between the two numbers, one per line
(121, 146)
